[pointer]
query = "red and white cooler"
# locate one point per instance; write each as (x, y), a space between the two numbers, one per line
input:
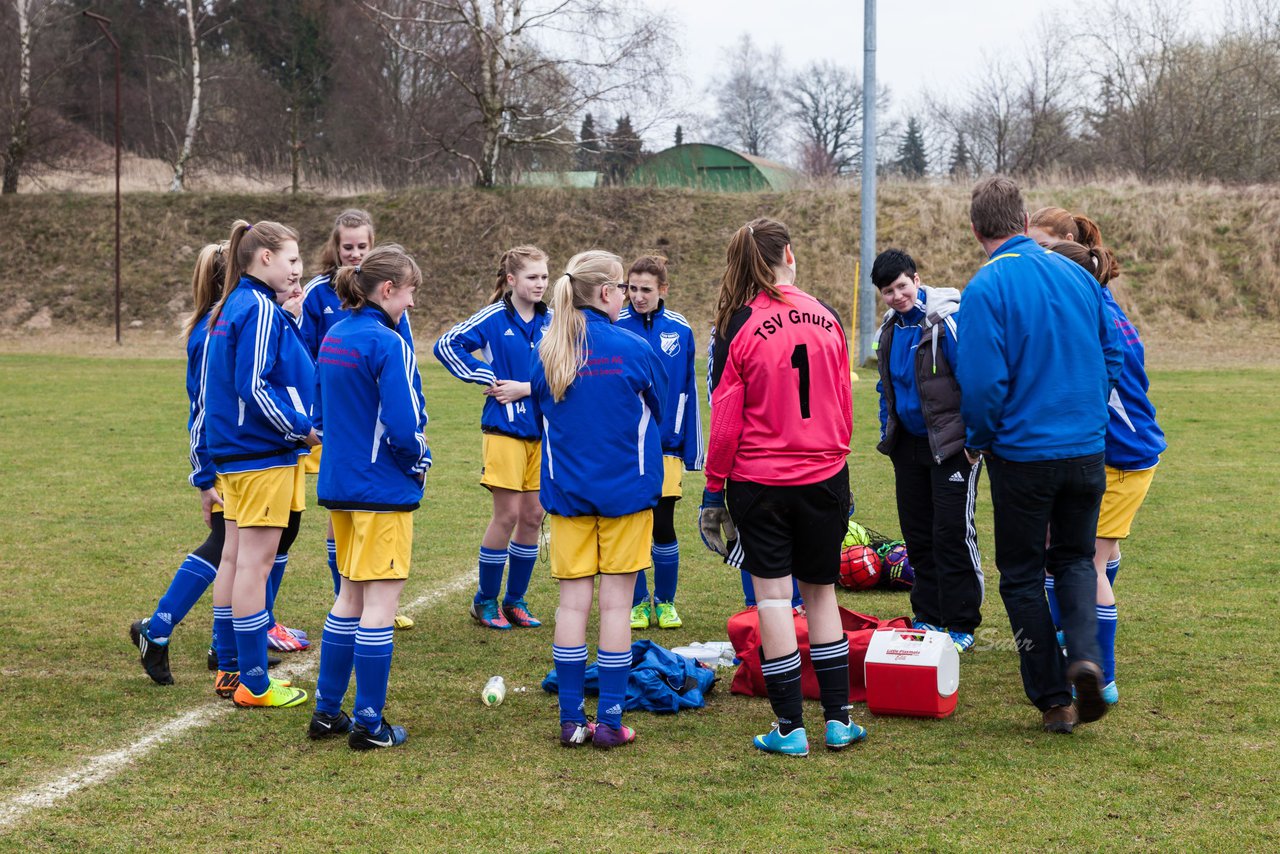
(912, 672)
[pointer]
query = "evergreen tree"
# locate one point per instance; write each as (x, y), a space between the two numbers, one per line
(588, 156)
(624, 152)
(912, 160)
(961, 165)
(679, 135)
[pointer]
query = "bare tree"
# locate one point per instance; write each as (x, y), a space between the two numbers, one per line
(529, 72)
(749, 104)
(193, 114)
(826, 103)
(19, 134)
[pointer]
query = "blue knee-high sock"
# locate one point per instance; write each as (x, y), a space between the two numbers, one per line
(614, 669)
(372, 660)
(189, 583)
(1113, 568)
(332, 548)
(337, 651)
(1052, 595)
(666, 570)
(273, 585)
(492, 562)
(571, 672)
(251, 645)
(641, 593)
(224, 639)
(748, 590)
(1107, 620)
(521, 560)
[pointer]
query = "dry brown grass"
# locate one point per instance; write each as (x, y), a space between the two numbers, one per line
(1201, 263)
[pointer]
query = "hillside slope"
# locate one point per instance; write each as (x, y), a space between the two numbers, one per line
(1189, 254)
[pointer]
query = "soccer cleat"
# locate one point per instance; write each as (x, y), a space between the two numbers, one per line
(154, 656)
(840, 736)
(1060, 719)
(325, 726)
(605, 736)
(402, 621)
(297, 633)
(487, 613)
(226, 682)
(668, 616)
(279, 695)
(642, 615)
(1110, 694)
(517, 613)
(387, 735)
(574, 734)
(1086, 682)
(281, 639)
(211, 659)
(962, 640)
(927, 627)
(794, 743)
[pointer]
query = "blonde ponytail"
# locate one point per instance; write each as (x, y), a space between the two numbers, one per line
(563, 347)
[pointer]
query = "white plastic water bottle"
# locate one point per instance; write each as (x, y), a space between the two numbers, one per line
(495, 691)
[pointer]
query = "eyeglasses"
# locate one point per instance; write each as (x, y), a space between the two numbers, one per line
(621, 286)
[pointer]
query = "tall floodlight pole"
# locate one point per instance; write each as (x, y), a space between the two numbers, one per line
(866, 293)
(104, 24)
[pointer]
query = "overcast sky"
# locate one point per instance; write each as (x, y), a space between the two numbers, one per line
(922, 45)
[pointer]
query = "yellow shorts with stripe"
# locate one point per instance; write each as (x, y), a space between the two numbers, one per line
(672, 477)
(311, 462)
(511, 463)
(1125, 493)
(373, 546)
(586, 546)
(263, 498)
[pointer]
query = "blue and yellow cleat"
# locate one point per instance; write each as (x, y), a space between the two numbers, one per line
(840, 736)
(794, 743)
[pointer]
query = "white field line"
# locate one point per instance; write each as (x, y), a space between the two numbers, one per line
(100, 768)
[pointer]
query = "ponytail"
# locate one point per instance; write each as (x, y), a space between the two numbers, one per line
(513, 261)
(388, 262)
(245, 242)
(1065, 225)
(1097, 260)
(754, 250)
(563, 346)
(206, 284)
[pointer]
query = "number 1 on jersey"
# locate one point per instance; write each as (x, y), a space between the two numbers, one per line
(800, 361)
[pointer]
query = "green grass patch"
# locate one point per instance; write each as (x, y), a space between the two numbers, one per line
(96, 516)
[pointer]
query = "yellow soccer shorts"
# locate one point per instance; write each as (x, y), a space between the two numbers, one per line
(1125, 493)
(262, 498)
(511, 463)
(672, 477)
(221, 489)
(585, 546)
(311, 462)
(373, 546)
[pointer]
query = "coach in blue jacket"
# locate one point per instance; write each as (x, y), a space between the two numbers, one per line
(1037, 359)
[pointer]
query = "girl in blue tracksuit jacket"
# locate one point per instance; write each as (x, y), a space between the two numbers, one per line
(350, 240)
(506, 332)
(599, 392)
(371, 476)
(258, 386)
(671, 338)
(1134, 443)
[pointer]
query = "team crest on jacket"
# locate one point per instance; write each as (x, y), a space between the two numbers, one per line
(670, 342)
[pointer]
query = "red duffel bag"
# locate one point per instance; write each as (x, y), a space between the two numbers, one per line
(744, 634)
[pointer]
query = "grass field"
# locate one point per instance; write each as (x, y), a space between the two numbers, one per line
(96, 515)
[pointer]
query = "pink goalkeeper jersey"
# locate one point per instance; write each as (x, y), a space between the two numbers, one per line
(782, 404)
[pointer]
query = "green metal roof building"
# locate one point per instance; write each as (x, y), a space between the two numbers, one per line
(712, 167)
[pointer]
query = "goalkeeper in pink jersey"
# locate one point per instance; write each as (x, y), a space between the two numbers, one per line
(781, 419)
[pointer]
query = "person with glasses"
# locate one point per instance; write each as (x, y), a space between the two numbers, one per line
(598, 391)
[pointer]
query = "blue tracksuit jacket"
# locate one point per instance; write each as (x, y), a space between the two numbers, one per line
(202, 473)
(902, 366)
(601, 454)
(506, 342)
(671, 338)
(259, 382)
(1037, 356)
(370, 394)
(1134, 439)
(321, 309)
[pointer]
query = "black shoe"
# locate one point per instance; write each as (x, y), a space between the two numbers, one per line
(211, 659)
(1060, 719)
(1086, 678)
(386, 736)
(324, 726)
(154, 656)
